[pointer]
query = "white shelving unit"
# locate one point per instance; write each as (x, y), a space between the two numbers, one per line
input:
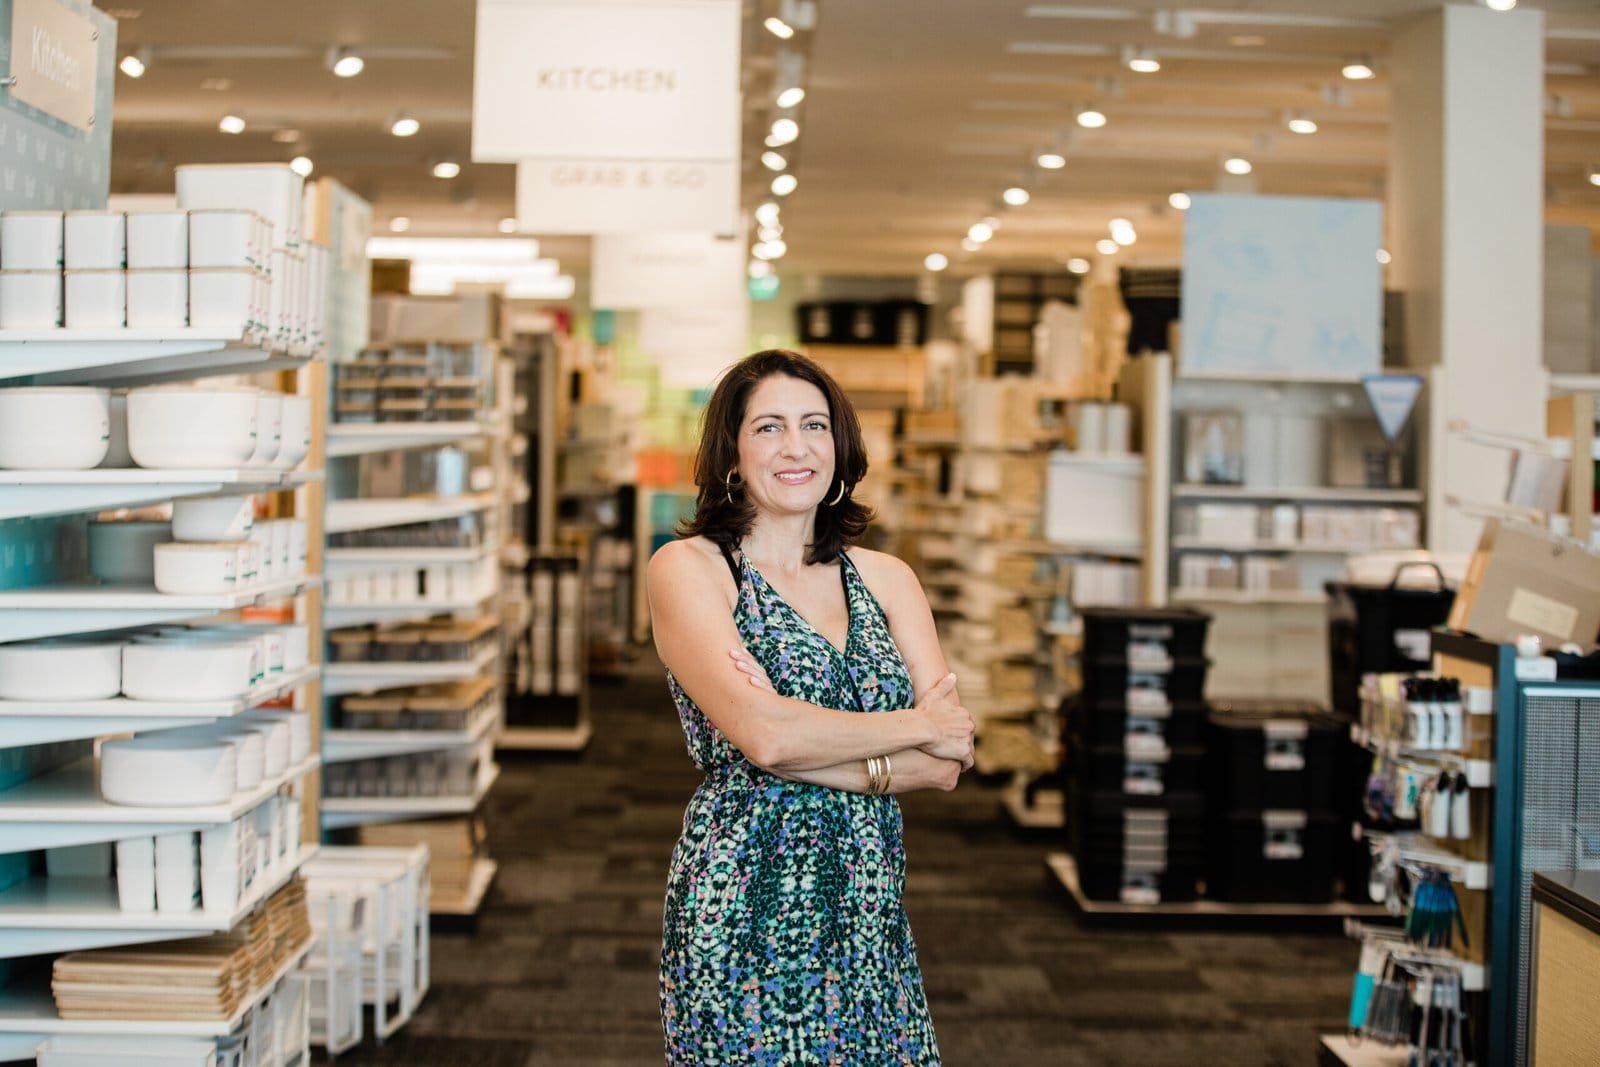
(364, 439)
(38, 493)
(132, 357)
(346, 516)
(48, 611)
(339, 812)
(342, 679)
(1313, 494)
(339, 746)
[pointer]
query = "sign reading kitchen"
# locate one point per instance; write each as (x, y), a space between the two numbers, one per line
(645, 81)
(55, 60)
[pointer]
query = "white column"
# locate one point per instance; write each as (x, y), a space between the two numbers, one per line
(1466, 201)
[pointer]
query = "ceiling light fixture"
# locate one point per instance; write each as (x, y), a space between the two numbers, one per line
(231, 124)
(969, 245)
(1016, 196)
(507, 225)
(446, 169)
(404, 126)
(769, 233)
(1384, 257)
(1499, 5)
(132, 65)
(779, 28)
(773, 161)
(784, 184)
(980, 232)
(759, 268)
(791, 97)
(1090, 119)
(936, 261)
(1052, 161)
(1300, 123)
(1358, 69)
(1237, 165)
(769, 250)
(767, 213)
(302, 166)
(1181, 201)
(1124, 235)
(1106, 246)
(784, 131)
(1140, 60)
(344, 63)
(1594, 175)
(399, 224)
(1078, 265)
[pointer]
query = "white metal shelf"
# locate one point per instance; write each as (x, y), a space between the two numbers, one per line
(342, 746)
(29, 1016)
(86, 607)
(338, 616)
(132, 356)
(483, 872)
(346, 516)
(1310, 494)
(1309, 548)
(31, 722)
(342, 679)
(1126, 462)
(39, 493)
(64, 808)
(364, 439)
(546, 738)
(1247, 596)
(341, 812)
(1479, 772)
(49, 915)
(1575, 383)
(344, 562)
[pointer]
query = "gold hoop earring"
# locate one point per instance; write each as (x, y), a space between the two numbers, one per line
(727, 482)
(839, 496)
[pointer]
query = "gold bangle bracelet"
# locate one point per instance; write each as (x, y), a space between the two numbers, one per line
(888, 776)
(872, 775)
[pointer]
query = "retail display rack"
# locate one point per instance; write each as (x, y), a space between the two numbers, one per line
(51, 804)
(424, 488)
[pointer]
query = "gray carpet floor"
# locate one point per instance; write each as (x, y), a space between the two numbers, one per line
(561, 966)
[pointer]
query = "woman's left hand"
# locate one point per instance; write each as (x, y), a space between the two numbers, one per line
(752, 670)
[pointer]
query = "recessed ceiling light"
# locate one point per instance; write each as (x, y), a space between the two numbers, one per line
(1016, 196)
(784, 184)
(992, 222)
(1123, 234)
(302, 166)
(784, 131)
(759, 268)
(1180, 201)
(1499, 5)
(132, 66)
(969, 245)
(507, 226)
(767, 213)
(1106, 246)
(285, 136)
(773, 161)
(344, 63)
(1141, 60)
(980, 232)
(1051, 161)
(1237, 165)
(1302, 124)
(935, 261)
(446, 169)
(399, 224)
(1078, 265)
(1594, 175)
(791, 96)
(1358, 69)
(404, 126)
(231, 124)
(769, 250)
(1384, 257)
(769, 233)
(779, 28)
(1090, 119)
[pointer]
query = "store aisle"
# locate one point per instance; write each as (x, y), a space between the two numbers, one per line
(562, 968)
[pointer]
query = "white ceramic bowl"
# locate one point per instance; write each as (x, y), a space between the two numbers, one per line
(163, 772)
(61, 670)
(275, 736)
(299, 724)
(186, 671)
(296, 434)
(185, 427)
(124, 551)
(213, 518)
(117, 457)
(59, 428)
(269, 428)
(249, 747)
(197, 569)
(230, 634)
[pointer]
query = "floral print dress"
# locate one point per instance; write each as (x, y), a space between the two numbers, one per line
(785, 940)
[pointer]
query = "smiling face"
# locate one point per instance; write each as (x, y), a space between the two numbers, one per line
(786, 451)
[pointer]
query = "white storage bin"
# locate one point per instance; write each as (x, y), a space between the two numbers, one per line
(83, 1050)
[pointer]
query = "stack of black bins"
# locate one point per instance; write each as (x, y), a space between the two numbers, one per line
(1136, 763)
(1273, 792)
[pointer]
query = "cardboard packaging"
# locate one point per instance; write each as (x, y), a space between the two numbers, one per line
(1523, 580)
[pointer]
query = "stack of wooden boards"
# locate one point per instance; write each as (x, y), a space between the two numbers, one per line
(453, 846)
(206, 979)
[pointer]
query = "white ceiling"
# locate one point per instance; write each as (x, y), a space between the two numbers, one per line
(919, 113)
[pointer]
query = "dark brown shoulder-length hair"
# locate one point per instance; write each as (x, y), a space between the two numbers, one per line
(838, 526)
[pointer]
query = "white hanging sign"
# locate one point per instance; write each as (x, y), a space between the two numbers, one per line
(1392, 397)
(694, 345)
(643, 80)
(666, 270)
(622, 196)
(55, 59)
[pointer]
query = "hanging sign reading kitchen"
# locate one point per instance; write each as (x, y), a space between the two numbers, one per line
(54, 60)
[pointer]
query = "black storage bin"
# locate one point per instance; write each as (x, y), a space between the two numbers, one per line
(1271, 856)
(1136, 773)
(1105, 678)
(1274, 754)
(1109, 721)
(861, 322)
(1138, 885)
(1378, 629)
(1105, 818)
(1108, 632)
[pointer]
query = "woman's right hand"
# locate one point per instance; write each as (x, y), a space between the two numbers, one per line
(950, 721)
